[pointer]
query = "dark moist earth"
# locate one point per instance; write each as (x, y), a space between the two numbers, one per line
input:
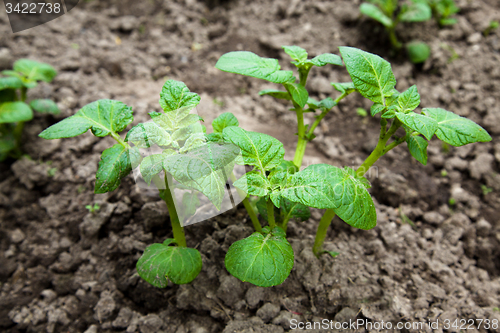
(63, 269)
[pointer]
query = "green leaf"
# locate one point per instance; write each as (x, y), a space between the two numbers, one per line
(376, 108)
(327, 103)
(375, 13)
(418, 148)
(343, 87)
(351, 201)
(372, 76)
(224, 120)
(295, 210)
(409, 99)
(45, 106)
(10, 83)
(175, 95)
(456, 130)
(7, 141)
(102, 117)
(298, 92)
(253, 183)
(151, 165)
(390, 112)
(204, 169)
(264, 260)
(12, 112)
(416, 12)
(34, 70)
(250, 64)
(448, 21)
(419, 123)
(325, 59)
(215, 137)
(276, 94)
(310, 188)
(113, 167)
(418, 52)
(257, 149)
(145, 135)
(161, 262)
(296, 53)
(177, 119)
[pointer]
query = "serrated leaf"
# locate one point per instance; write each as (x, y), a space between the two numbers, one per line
(204, 169)
(45, 106)
(391, 112)
(161, 262)
(325, 59)
(351, 201)
(296, 53)
(312, 103)
(375, 13)
(264, 260)
(155, 114)
(12, 112)
(175, 95)
(194, 141)
(101, 117)
(298, 92)
(276, 94)
(371, 75)
(417, 12)
(376, 108)
(456, 130)
(10, 83)
(419, 123)
(224, 120)
(257, 149)
(215, 137)
(253, 183)
(145, 135)
(250, 64)
(34, 70)
(343, 87)
(310, 188)
(327, 103)
(113, 167)
(418, 52)
(409, 99)
(151, 165)
(418, 148)
(176, 119)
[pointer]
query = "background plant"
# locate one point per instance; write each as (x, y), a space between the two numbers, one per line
(391, 12)
(14, 110)
(342, 192)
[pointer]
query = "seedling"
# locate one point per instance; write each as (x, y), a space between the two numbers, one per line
(94, 208)
(492, 26)
(287, 191)
(14, 110)
(198, 162)
(390, 12)
(486, 190)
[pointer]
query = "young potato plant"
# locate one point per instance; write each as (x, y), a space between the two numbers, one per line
(390, 12)
(14, 110)
(176, 155)
(265, 258)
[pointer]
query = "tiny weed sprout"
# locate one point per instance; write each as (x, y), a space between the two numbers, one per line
(390, 12)
(14, 110)
(93, 208)
(173, 152)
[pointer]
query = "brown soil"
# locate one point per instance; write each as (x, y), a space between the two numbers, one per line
(443, 265)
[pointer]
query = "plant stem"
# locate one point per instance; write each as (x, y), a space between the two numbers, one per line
(120, 140)
(303, 73)
(253, 216)
(324, 223)
(177, 228)
(302, 141)
(24, 92)
(393, 38)
(270, 214)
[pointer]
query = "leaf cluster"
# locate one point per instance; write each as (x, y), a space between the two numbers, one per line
(14, 110)
(391, 12)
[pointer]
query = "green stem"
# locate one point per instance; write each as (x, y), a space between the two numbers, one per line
(24, 92)
(253, 216)
(302, 141)
(120, 140)
(380, 149)
(393, 38)
(284, 224)
(177, 228)
(270, 214)
(324, 223)
(303, 73)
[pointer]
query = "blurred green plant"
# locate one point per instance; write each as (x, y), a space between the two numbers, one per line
(14, 109)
